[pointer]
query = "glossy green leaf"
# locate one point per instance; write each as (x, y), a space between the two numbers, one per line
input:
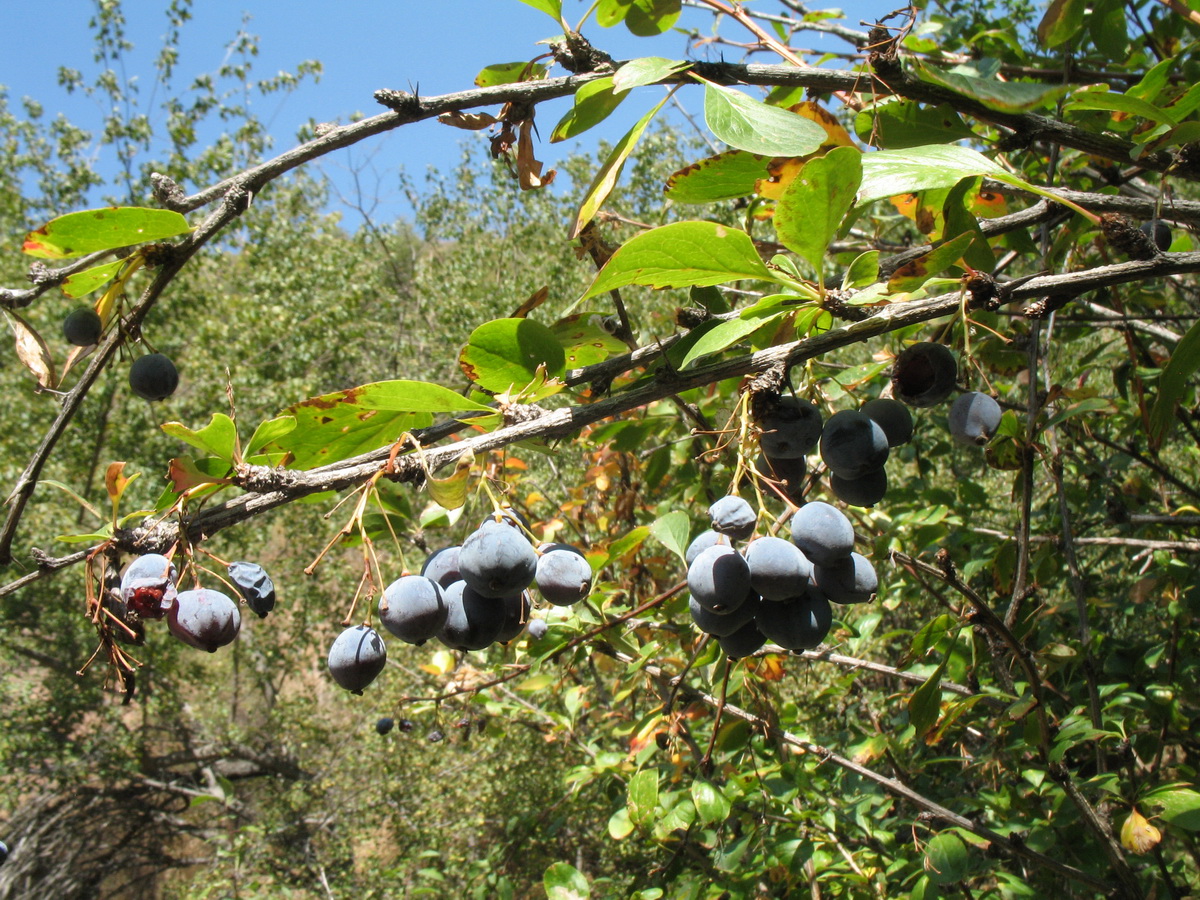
(269, 431)
(815, 202)
(642, 799)
(646, 18)
(1175, 378)
(564, 882)
(92, 230)
(680, 255)
(594, 102)
(552, 8)
(1004, 96)
(711, 805)
(748, 124)
(863, 271)
(895, 124)
(647, 70)
(509, 73)
(726, 334)
(606, 178)
(83, 283)
(506, 353)
(887, 173)
(584, 339)
(725, 176)
(946, 858)
(672, 531)
(218, 437)
(930, 635)
(1178, 806)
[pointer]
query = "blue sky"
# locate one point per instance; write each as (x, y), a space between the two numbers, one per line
(363, 45)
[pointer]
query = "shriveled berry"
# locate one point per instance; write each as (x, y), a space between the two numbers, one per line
(733, 516)
(255, 586)
(148, 586)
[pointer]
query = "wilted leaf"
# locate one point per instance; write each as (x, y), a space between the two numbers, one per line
(451, 492)
(32, 351)
(186, 474)
(1138, 835)
(468, 121)
(915, 273)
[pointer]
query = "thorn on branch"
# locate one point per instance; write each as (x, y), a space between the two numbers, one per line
(398, 101)
(1040, 309)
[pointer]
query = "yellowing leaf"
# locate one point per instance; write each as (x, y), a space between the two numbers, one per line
(1138, 835)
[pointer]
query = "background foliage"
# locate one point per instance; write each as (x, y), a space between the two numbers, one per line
(1014, 714)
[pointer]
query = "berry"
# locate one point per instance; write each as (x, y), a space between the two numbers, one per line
(497, 560)
(255, 586)
(435, 737)
(357, 657)
(789, 473)
(412, 609)
(822, 532)
(406, 725)
(892, 416)
(472, 620)
(974, 418)
(516, 614)
(3, 852)
(508, 516)
(204, 619)
(866, 490)
(850, 580)
(702, 542)
(82, 327)
(853, 444)
(1159, 232)
(799, 624)
(924, 374)
(719, 579)
(153, 377)
(734, 517)
(723, 624)
(778, 569)
(148, 586)
(442, 567)
(563, 575)
(790, 429)
(384, 725)
(537, 629)
(743, 642)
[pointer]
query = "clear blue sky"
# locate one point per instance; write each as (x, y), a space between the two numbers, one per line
(363, 45)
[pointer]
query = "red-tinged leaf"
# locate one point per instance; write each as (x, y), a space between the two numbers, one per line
(1138, 835)
(912, 275)
(32, 351)
(115, 481)
(185, 475)
(92, 230)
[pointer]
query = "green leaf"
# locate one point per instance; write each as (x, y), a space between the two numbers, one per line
(606, 178)
(725, 176)
(451, 492)
(724, 335)
(643, 796)
(268, 431)
(594, 102)
(584, 340)
(612, 12)
(565, 882)
(1108, 100)
(946, 859)
(810, 212)
(930, 635)
(82, 283)
(1004, 96)
(1061, 22)
(863, 271)
(552, 8)
(925, 704)
(891, 172)
(895, 124)
(218, 437)
(648, 70)
(509, 73)
(748, 124)
(1174, 380)
(89, 231)
(1088, 405)
(646, 18)
(507, 353)
(680, 255)
(1178, 806)
(915, 273)
(711, 805)
(346, 423)
(74, 496)
(672, 531)
(619, 825)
